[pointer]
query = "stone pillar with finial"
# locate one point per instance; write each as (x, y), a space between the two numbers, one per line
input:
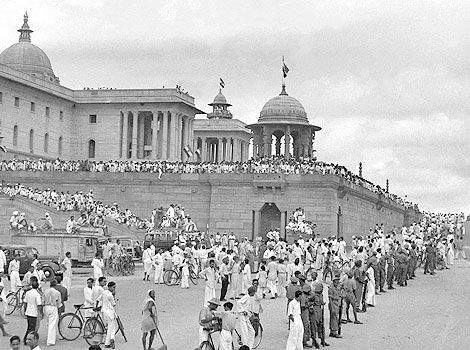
(360, 169)
(386, 186)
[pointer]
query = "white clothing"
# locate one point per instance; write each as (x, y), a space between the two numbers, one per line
(370, 292)
(89, 301)
(296, 332)
(97, 268)
(33, 299)
(147, 260)
(158, 263)
(51, 314)
(109, 315)
(247, 332)
(14, 270)
(225, 340)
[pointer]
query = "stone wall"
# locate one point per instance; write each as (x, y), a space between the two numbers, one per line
(233, 202)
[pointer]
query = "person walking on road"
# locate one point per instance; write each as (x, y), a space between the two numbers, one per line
(14, 273)
(34, 307)
(210, 275)
(52, 302)
(149, 322)
(67, 268)
(109, 314)
(98, 266)
(296, 332)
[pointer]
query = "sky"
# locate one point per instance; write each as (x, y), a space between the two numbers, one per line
(388, 81)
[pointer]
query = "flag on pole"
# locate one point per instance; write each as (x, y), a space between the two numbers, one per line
(198, 152)
(222, 83)
(188, 151)
(285, 69)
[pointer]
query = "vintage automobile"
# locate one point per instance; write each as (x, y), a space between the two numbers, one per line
(46, 263)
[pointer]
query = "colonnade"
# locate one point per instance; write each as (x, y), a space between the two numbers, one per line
(219, 149)
(155, 135)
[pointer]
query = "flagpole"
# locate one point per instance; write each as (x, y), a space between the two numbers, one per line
(282, 71)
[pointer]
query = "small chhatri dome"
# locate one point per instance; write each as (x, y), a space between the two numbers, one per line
(220, 99)
(283, 107)
(219, 107)
(28, 58)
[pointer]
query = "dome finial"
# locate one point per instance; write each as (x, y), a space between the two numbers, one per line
(283, 92)
(25, 32)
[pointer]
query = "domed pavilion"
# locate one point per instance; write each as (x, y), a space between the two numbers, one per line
(28, 58)
(283, 129)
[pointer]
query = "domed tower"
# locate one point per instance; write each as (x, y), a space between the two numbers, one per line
(28, 58)
(283, 123)
(219, 107)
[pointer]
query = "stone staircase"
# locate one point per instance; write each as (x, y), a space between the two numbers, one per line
(34, 211)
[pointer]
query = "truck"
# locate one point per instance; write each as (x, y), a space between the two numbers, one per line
(52, 245)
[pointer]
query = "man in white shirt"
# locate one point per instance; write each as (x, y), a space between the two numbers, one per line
(109, 314)
(98, 265)
(211, 276)
(98, 291)
(33, 302)
(71, 226)
(52, 303)
(67, 268)
(89, 302)
(14, 272)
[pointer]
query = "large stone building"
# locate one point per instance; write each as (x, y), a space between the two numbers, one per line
(41, 118)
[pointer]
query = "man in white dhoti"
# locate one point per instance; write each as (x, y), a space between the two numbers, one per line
(147, 260)
(210, 275)
(67, 268)
(109, 314)
(272, 277)
(98, 266)
(14, 272)
(157, 262)
(370, 289)
(247, 332)
(296, 332)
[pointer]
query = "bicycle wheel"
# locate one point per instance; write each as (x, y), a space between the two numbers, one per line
(206, 345)
(93, 331)
(113, 269)
(12, 303)
(258, 337)
(70, 326)
(193, 277)
(170, 278)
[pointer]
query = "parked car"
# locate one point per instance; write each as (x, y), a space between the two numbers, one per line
(46, 264)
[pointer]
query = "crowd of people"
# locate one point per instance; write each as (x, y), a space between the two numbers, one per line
(92, 212)
(316, 276)
(298, 225)
(266, 165)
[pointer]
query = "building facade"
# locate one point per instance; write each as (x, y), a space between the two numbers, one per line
(219, 137)
(41, 118)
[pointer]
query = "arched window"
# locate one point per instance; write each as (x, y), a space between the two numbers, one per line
(46, 142)
(59, 150)
(91, 149)
(31, 141)
(15, 136)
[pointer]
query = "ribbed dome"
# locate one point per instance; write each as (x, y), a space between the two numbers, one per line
(220, 99)
(27, 58)
(283, 107)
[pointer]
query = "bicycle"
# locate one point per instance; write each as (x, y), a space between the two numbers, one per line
(94, 329)
(121, 265)
(173, 277)
(14, 300)
(209, 344)
(71, 323)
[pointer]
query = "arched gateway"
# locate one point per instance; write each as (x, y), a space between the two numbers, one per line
(270, 218)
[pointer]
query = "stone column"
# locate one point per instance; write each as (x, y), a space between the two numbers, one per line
(287, 142)
(155, 135)
(124, 144)
(204, 149)
(236, 150)
(141, 136)
(135, 118)
(172, 137)
(179, 148)
(278, 146)
(256, 224)
(219, 150)
(267, 141)
(164, 128)
(185, 124)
